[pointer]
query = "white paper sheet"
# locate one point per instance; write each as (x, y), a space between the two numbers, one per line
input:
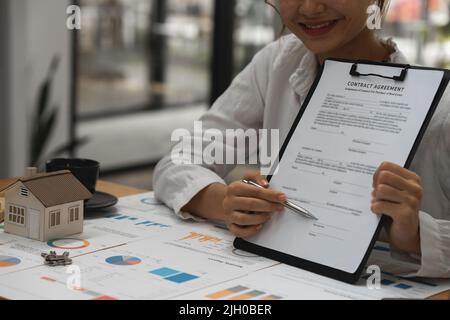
(284, 282)
(351, 125)
(184, 261)
(120, 225)
(199, 255)
(141, 270)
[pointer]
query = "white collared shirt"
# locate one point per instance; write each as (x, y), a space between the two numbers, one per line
(268, 94)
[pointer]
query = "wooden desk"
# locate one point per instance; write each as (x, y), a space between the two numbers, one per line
(123, 191)
(117, 189)
(109, 187)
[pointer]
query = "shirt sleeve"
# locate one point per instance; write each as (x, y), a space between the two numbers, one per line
(434, 261)
(240, 107)
(434, 232)
(435, 247)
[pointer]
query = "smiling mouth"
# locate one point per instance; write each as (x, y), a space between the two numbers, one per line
(318, 29)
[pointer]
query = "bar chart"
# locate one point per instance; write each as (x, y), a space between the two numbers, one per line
(173, 275)
(137, 221)
(242, 293)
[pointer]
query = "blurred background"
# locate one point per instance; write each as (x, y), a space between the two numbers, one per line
(138, 69)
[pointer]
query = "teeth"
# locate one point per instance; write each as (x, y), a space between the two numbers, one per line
(319, 26)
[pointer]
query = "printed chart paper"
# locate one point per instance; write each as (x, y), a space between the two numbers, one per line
(138, 250)
(183, 261)
(285, 282)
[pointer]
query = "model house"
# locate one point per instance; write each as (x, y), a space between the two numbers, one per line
(2, 206)
(45, 206)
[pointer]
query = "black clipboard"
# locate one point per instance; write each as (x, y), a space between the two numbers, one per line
(320, 269)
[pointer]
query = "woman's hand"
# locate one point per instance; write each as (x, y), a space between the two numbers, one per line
(247, 207)
(398, 194)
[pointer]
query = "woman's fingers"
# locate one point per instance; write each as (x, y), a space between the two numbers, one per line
(389, 209)
(256, 205)
(384, 192)
(243, 232)
(242, 198)
(398, 185)
(249, 219)
(387, 171)
(394, 180)
(256, 176)
(397, 193)
(399, 213)
(240, 189)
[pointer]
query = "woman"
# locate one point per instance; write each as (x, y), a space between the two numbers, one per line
(269, 93)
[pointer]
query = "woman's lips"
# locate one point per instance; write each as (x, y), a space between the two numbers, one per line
(318, 29)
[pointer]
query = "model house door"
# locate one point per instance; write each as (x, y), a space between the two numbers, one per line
(33, 224)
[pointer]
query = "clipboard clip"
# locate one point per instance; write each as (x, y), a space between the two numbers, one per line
(354, 72)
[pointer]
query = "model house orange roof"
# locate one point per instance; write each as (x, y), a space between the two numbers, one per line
(54, 188)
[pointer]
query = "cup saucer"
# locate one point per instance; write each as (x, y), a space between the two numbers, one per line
(100, 200)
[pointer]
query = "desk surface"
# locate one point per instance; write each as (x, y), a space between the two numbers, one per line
(123, 191)
(113, 188)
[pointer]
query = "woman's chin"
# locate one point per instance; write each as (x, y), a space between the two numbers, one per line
(320, 49)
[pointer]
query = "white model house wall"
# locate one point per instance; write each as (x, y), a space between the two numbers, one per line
(13, 197)
(46, 232)
(66, 228)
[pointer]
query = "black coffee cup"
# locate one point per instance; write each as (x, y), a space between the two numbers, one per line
(85, 170)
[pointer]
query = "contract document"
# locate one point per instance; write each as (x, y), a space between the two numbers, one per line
(348, 126)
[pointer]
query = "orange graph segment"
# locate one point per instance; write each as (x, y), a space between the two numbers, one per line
(201, 237)
(48, 279)
(104, 298)
(226, 292)
(220, 294)
(6, 264)
(271, 297)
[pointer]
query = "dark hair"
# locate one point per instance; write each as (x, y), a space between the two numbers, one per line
(283, 29)
(384, 5)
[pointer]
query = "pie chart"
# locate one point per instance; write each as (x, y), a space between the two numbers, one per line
(6, 261)
(123, 260)
(68, 244)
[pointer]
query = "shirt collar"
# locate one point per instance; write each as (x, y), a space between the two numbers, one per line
(303, 77)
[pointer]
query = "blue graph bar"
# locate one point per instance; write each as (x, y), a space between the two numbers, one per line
(417, 280)
(387, 282)
(403, 286)
(181, 277)
(412, 279)
(164, 272)
(113, 215)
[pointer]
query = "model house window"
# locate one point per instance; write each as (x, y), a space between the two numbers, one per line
(74, 214)
(16, 215)
(24, 192)
(55, 218)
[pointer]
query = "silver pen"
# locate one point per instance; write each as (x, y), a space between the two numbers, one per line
(288, 204)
